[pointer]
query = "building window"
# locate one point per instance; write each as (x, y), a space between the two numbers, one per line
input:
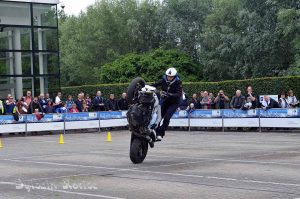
(29, 51)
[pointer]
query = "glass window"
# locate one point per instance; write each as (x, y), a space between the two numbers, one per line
(51, 85)
(15, 38)
(46, 63)
(7, 85)
(4, 63)
(44, 15)
(45, 39)
(4, 40)
(14, 13)
(26, 63)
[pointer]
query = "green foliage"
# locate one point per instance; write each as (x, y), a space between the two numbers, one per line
(226, 39)
(246, 39)
(150, 66)
(261, 86)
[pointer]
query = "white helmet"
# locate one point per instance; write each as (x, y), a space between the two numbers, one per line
(171, 72)
(148, 89)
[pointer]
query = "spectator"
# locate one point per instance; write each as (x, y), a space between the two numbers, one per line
(252, 96)
(21, 106)
(1, 107)
(191, 108)
(79, 102)
(99, 102)
(58, 101)
(222, 101)
(205, 100)
(283, 100)
(269, 103)
(293, 102)
(211, 105)
(62, 109)
(47, 97)
(35, 105)
(50, 107)
(112, 104)
(123, 103)
(69, 102)
(183, 104)
(74, 108)
(238, 101)
(195, 101)
(28, 98)
(43, 102)
(88, 101)
(10, 106)
(85, 107)
(201, 96)
(248, 104)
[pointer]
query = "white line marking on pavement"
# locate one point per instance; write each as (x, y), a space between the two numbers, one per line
(210, 159)
(61, 191)
(155, 172)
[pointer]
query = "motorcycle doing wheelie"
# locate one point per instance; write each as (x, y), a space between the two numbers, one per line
(139, 115)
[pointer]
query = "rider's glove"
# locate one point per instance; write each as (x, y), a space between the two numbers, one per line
(153, 126)
(164, 95)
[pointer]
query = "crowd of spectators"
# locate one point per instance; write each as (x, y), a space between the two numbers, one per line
(84, 103)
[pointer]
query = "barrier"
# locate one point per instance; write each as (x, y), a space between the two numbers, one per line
(279, 118)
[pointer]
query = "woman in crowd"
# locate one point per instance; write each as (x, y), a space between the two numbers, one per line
(74, 109)
(283, 100)
(293, 102)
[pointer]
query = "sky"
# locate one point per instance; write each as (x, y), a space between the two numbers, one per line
(73, 7)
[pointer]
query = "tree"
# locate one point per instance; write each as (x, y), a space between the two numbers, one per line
(151, 66)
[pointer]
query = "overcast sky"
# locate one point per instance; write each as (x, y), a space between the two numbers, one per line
(75, 6)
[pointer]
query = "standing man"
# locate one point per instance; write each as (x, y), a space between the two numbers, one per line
(252, 96)
(123, 103)
(99, 102)
(171, 87)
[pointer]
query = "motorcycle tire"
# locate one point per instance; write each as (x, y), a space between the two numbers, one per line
(138, 150)
(135, 85)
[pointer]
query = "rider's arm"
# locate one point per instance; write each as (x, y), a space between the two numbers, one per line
(158, 83)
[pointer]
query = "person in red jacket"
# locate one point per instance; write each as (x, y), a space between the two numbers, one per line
(74, 109)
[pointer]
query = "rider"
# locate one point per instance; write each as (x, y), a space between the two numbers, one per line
(171, 87)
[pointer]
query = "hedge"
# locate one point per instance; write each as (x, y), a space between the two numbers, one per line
(261, 86)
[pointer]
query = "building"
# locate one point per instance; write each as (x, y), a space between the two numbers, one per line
(29, 47)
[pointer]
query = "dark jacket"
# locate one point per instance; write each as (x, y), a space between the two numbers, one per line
(79, 104)
(123, 104)
(237, 102)
(272, 104)
(96, 103)
(173, 89)
(112, 105)
(35, 105)
(196, 103)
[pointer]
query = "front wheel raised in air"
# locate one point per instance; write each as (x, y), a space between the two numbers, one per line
(138, 150)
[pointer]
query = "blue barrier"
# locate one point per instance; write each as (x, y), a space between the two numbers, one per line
(228, 113)
(281, 118)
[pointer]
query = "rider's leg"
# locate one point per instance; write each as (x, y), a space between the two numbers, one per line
(169, 113)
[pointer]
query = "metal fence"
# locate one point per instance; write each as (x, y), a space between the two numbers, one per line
(277, 118)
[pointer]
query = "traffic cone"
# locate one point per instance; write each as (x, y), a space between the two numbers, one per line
(109, 137)
(61, 139)
(1, 144)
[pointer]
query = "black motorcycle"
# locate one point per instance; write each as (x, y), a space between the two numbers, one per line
(139, 117)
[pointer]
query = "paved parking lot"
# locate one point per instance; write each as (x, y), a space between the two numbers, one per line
(185, 165)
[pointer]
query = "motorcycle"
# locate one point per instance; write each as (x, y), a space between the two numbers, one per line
(139, 116)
